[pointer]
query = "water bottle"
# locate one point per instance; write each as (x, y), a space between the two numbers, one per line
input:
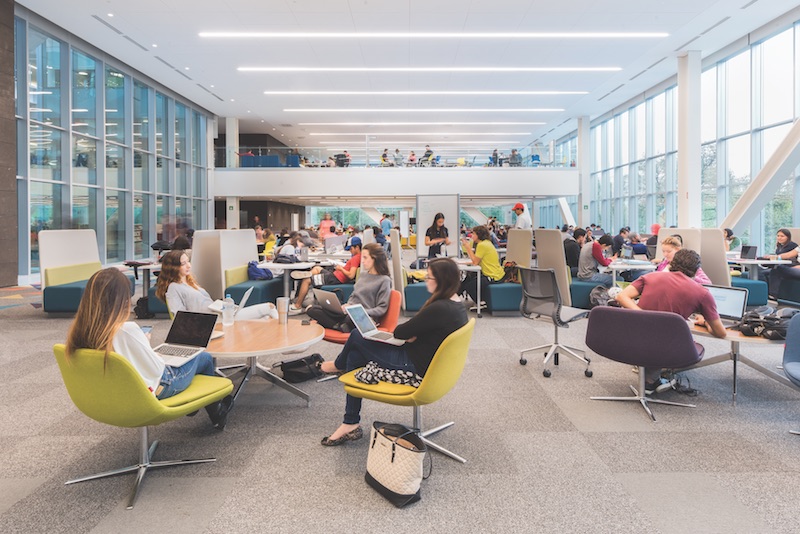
(227, 311)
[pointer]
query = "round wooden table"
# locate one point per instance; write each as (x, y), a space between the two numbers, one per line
(251, 339)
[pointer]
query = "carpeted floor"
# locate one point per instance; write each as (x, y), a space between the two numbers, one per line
(542, 457)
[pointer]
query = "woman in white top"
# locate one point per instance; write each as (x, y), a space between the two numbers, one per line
(177, 287)
(101, 323)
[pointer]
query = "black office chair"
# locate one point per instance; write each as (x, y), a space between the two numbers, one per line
(791, 355)
(540, 296)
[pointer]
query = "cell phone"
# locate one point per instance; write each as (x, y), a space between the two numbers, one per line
(305, 322)
(147, 329)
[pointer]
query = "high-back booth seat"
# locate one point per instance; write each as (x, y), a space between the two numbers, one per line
(113, 392)
(757, 292)
(237, 283)
(64, 286)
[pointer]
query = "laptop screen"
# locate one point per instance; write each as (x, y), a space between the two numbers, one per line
(359, 316)
(749, 252)
(731, 301)
(193, 329)
(627, 253)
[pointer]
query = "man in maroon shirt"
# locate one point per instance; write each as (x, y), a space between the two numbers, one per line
(673, 291)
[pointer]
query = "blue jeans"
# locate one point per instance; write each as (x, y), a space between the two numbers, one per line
(176, 379)
(356, 353)
(601, 278)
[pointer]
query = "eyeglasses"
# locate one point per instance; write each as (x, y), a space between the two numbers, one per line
(427, 277)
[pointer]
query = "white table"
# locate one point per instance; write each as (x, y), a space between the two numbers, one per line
(619, 266)
(468, 267)
(287, 268)
(751, 270)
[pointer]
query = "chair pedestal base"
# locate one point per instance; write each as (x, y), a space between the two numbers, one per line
(424, 435)
(643, 399)
(795, 432)
(553, 350)
(145, 463)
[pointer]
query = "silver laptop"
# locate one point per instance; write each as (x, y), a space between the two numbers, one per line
(188, 336)
(731, 303)
(749, 252)
(218, 304)
(329, 301)
(368, 328)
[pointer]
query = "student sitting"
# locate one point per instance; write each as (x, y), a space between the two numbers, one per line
(318, 276)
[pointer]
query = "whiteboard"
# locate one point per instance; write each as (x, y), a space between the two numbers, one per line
(427, 207)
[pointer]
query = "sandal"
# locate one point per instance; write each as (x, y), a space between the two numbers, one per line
(353, 435)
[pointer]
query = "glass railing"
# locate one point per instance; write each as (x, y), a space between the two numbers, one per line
(315, 157)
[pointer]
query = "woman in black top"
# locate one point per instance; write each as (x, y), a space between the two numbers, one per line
(436, 236)
(442, 314)
(785, 249)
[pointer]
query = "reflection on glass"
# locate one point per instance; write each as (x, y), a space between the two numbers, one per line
(162, 175)
(163, 146)
(199, 182)
(737, 102)
(84, 208)
(141, 171)
(141, 117)
(44, 150)
(777, 78)
(44, 75)
(198, 137)
(115, 166)
(115, 226)
(181, 178)
(84, 94)
(115, 106)
(84, 160)
(46, 214)
(141, 225)
(180, 131)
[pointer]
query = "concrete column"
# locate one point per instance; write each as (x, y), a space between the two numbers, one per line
(231, 212)
(8, 152)
(689, 205)
(584, 171)
(231, 143)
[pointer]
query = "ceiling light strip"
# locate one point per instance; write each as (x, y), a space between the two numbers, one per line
(417, 133)
(429, 69)
(421, 110)
(426, 93)
(419, 123)
(433, 35)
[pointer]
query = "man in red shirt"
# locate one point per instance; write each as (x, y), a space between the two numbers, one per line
(319, 276)
(673, 291)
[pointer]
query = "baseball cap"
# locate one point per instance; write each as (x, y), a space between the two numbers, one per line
(353, 242)
(518, 206)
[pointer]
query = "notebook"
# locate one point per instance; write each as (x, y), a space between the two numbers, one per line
(368, 328)
(329, 301)
(188, 336)
(749, 252)
(731, 303)
(218, 304)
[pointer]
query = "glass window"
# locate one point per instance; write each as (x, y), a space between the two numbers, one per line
(771, 138)
(115, 166)
(641, 135)
(181, 178)
(180, 132)
(708, 185)
(624, 149)
(141, 171)
(659, 128)
(84, 94)
(610, 143)
(84, 160)
(598, 152)
(141, 225)
(44, 78)
(115, 226)
(44, 149)
(163, 145)
(777, 78)
(198, 137)
(141, 113)
(778, 212)
(198, 213)
(738, 150)
(46, 213)
(737, 86)
(162, 175)
(84, 208)
(708, 105)
(199, 182)
(116, 129)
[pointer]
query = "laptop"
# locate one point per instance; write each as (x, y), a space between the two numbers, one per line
(627, 256)
(218, 304)
(188, 336)
(731, 303)
(368, 328)
(748, 252)
(329, 301)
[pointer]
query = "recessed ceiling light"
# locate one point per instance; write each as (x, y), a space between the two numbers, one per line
(248, 111)
(433, 35)
(418, 123)
(211, 86)
(110, 14)
(154, 45)
(232, 100)
(185, 68)
(429, 69)
(421, 110)
(419, 133)
(435, 93)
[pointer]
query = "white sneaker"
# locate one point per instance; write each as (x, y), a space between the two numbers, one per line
(301, 275)
(294, 310)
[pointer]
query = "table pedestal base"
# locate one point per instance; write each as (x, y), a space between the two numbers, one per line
(253, 368)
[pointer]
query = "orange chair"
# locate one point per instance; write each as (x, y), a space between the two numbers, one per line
(387, 323)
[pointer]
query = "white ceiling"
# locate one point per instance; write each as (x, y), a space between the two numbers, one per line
(213, 81)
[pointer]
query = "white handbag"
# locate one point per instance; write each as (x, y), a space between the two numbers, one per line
(394, 462)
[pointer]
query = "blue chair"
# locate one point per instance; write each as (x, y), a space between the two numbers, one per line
(791, 355)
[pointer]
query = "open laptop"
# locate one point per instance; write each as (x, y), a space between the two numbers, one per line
(329, 301)
(627, 256)
(368, 328)
(731, 303)
(748, 252)
(218, 304)
(188, 336)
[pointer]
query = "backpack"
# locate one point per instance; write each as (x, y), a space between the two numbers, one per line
(769, 324)
(254, 272)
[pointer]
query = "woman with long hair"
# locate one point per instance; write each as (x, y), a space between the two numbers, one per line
(669, 246)
(177, 287)
(372, 290)
(101, 323)
(486, 256)
(441, 315)
(436, 235)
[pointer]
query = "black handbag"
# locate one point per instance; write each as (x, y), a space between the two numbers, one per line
(301, 369)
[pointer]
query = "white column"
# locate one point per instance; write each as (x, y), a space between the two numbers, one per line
(231, 212)
(584, 171)
(689, 205)
(232, 146)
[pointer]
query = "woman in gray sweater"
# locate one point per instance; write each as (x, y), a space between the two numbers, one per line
(372, 290)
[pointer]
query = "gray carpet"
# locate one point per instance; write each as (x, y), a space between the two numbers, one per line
(542, 457)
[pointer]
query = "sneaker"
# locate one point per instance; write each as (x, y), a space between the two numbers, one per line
(659, 385)
(294, 310)
(301, 275)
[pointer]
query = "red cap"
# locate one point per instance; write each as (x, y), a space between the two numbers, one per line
(518, 206)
